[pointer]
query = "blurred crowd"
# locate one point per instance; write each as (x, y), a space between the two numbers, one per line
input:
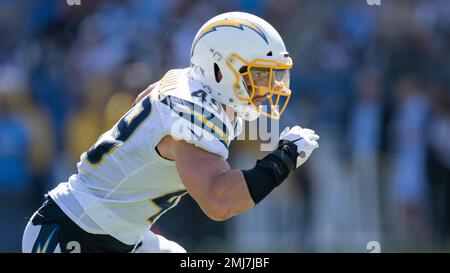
(372, 81)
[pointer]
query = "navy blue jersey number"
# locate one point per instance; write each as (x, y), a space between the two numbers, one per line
(123, 130)
(164, 203)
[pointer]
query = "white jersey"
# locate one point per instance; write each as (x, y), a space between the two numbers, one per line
(123, 185)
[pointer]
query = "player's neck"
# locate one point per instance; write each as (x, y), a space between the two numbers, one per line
(230, 112)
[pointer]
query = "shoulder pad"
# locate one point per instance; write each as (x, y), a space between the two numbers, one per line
(196, 117)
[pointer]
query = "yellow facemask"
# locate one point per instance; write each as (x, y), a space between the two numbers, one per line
(265, 80)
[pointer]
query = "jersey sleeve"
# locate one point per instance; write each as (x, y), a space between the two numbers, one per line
(196, 124)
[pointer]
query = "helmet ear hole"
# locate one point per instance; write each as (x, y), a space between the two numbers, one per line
(217, 73)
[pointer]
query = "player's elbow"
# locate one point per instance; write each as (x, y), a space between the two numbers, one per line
(218, 215)
(217, 210)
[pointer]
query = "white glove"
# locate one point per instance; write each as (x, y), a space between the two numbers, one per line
(305, 139)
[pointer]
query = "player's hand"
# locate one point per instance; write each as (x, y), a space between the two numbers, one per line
(304, 139)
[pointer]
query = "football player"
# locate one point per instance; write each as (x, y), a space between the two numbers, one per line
(174, 141)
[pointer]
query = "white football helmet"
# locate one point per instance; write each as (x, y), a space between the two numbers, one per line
(243, 62)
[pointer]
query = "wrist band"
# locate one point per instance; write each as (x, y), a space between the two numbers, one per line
(271, 171)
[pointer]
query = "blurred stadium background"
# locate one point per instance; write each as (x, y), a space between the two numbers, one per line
(373, 81)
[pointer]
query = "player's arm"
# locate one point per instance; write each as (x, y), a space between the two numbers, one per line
(223, 193)
(145, 93)
(219, 191)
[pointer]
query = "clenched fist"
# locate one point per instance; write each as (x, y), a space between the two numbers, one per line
(304, 139)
